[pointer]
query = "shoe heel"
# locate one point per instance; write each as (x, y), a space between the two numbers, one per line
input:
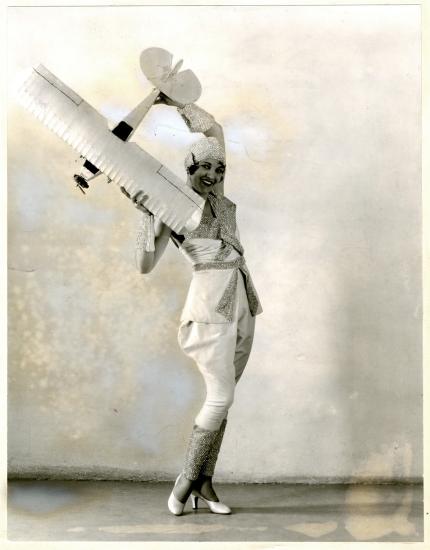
(194, 501)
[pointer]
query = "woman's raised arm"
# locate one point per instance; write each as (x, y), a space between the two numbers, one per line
(196, 118)
(199, 120)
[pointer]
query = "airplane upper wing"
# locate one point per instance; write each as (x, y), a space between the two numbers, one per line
(125, 163)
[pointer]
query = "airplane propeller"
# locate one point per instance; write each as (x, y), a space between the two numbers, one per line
(182, 87)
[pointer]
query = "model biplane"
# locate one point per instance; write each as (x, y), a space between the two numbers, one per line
(110, 152)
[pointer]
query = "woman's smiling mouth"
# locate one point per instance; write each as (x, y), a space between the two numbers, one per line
(207, 181)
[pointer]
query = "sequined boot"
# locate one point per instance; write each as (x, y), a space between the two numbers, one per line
(199, 447)
(202, 487)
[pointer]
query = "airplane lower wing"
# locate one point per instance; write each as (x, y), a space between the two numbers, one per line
(125, 163)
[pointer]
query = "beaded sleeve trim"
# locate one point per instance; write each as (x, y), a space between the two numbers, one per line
(145, 238)
(196, 118)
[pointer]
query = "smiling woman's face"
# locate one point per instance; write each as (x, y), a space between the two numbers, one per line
(209, 173)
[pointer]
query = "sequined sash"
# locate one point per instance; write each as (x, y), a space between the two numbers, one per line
(226, 304)
(225, 213)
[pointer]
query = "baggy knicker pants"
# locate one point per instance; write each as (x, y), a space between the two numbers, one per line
(221, 351)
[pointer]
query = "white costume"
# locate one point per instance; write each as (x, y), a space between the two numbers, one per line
(218, 319)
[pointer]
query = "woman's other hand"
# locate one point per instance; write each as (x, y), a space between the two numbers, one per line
(138, 200)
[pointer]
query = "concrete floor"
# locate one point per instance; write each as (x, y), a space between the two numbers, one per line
(137, 511)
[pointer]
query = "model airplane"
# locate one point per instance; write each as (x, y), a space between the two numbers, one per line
(110, 152)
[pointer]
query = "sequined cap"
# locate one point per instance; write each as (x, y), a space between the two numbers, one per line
(203, 149)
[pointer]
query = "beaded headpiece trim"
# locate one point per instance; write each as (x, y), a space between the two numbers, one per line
(203, 149)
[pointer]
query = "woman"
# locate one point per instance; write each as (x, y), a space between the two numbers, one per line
(217, 322)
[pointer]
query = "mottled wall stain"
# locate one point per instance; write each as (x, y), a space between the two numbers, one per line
(370, 513)
(320, 109)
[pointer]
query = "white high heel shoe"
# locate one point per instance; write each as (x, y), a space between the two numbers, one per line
(175, 505)
(214, 507)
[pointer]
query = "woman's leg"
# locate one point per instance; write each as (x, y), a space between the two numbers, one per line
(244, 338)
(221, 352)
(212, 347)
(204, 482)
(198, 449)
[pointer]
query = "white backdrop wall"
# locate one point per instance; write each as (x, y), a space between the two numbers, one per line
(321, 112)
